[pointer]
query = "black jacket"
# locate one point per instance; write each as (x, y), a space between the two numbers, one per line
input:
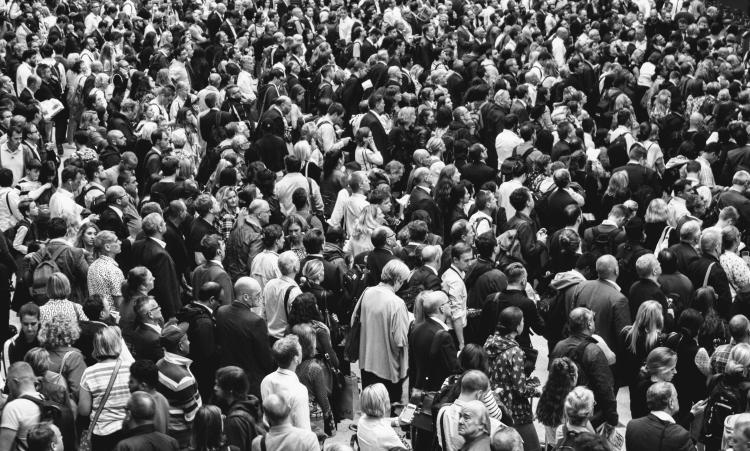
(146, 438)
(650, 432)
(150, 254)
(202, 335)
(432, 354)
(647, 290)
(243, 423)
(422, 200)
(496, 303)
(717, 278)
(685, 255)
(146, 344)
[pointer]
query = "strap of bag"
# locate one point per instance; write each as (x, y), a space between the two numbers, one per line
(263, 443)
(286, 299)
(665, 233)
(708, 273)
(442, 430)
(104, 398)
(62, 362)
(358, 307)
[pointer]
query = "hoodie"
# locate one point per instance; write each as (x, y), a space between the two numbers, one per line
(243, 423)
(561, 304)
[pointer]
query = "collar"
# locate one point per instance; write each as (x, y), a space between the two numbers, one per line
(108, 259)
(424, 188)
(663, 416)
(287, 372)
(217, 263)
(155, 327)
(460, 273)
(205, 307)
(608, 222)
(614, 284)
(117, 210)
(439, 321)
(160, 242)
(177, 359)
(431, 269)
(59, 240)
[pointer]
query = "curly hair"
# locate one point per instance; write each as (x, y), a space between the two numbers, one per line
(304, 310)
(563, 376)
(59, 332)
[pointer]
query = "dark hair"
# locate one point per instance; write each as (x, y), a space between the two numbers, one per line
(485, 244)
(313, 241)
(586, 441)
(28, 309)
(509, 319)
(303, 310)
(233, 379)
(560, 382)
(56, 228)
(474, 357)
(145, 372)
(93, 307)
(668, 261)
(210, 245)
(271, 234)
(519, 198)
(209, 290)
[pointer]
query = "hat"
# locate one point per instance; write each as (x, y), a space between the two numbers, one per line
(172, 334)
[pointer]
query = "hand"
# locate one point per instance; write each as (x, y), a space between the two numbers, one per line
(698, 407)
(541, 235)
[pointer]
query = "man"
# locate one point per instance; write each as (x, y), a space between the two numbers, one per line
(421, 199)
(112, 217)
(373, 120)
(425, 276)
(293, 180)
(474, 384)
(150, 252)
(433, 356)
(708, 271)
(144, 340)
(151, 170)
(658, 430)
(313, 241)
(242, 335)
(571, 218)
(736, 197)
(507, 140)
(685, 251)
(283, 434)
(454, 286)
(175, 216)
(643, 181)
(144, 377)
(551, 209)
(383, 346)
(594, 370)
(478, 170)
(603, 296)
(277, 115)
(474, 426)
(231, 394)
(19, 414)
(212, 269)
(105, 277)
(647, 288)
(605, 237)
(100, 317)
(265, 265)
(70, 261)
(199, 316)
(533, 241)
(515, 177)
(177, 383)
(213, 121)
(139, 431)
(62, 201)
(279, 294)
(739, 330)
(738, 157)
(327, 127)
(9, 212)
(165, 190)
(384, 240)
(288, 355)
(351, 208)
(677, 206)
(206, 209)
(16, 347)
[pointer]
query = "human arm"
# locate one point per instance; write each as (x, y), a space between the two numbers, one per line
(34, 195)
(445, 350)
(19, 238)
(490, 402)
(601, 381)
(73, 373)
(338, 209)
(84, 403)
(720, 282)
(324, 338)
(7, 439)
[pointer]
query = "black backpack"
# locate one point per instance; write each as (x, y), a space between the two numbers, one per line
(724, 399)
(627, 255)
(604, 242)
(54, 412)
(566, 442)
(354, 283)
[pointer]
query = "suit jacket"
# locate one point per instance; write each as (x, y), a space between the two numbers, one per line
(651, 432)
(422, 200)
(177, 249)
(478, 173)
(647, 290)
(371, 121)
(211, 271)
(110, 220)
(426, 277)
(376, 260)
(685, 254)
(737, 159)
(609, 305)
(717, 278)
(274, 116)
(242, 337)
(150, 254)
(209, 121)
(146, 344)
(553, 218)
(433, 355)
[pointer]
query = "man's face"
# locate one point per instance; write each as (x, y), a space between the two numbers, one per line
(463, 261)
(29, 326)
(134, 385)
(469, 423)
(155, 312)
(14, 140)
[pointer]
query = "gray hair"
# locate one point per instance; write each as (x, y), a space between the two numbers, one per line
(394, 272)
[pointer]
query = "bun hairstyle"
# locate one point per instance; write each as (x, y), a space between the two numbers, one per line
(739, 359)
(661, 358)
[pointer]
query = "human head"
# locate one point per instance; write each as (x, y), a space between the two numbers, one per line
(607, 267)
(375, 402)
(287, 352)
(107, 344)
(59, 332)
(144, 376)
(581, 321)
(579, 406)
(660, 364)
(277, 408)
(662, 396)
(231, 384)
(44, 437)
(20, 379)
(474, 421)
(395, 273)
(28, 314)
(248, 291)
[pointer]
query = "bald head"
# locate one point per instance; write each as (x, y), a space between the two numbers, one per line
(114, 193)
(142, 407)
(606, 267)
(276, 409)
(247, 287)
(506, 439)
(433, 300)
(431, 255)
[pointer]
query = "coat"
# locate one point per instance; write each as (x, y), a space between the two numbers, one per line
(433, 355)
(71, 262)
(211, 271)
(146, 438)
(685, 255)
(717, 278)
(651, 432)
(609, 305)
(150, 254)
(422, 200)
(379, 135)
(146, 344)
(202, 335)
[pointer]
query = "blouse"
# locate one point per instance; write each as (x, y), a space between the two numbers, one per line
(376, 434)
(737, 271)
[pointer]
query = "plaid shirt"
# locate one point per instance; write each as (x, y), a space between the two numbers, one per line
(225, 223)
(720, 357)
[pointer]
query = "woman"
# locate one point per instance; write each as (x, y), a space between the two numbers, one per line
(334, 180)
(24, 242)
(58, 291)
(139, 282)
(660, 366)
(733, 379)
(714, 331)
(617, 192)
(374, 430)
(736, 268)
(648, 135)
(370, 219)
(366, 153)
(689, 381)
(550, 411)
(303, 151)
(564, 251)
(402, 138)
(295, 228)
(638, 340)
(314, 375)
(507, 374)
(227, 217)
(658, 233)
(313, 274)
(106, 422)
(305, 310)
(85, 239)
(57, 337)
(208, 430)
(579, 408)
(187, 121)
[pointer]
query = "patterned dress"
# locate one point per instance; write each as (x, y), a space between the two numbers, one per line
(507, 377)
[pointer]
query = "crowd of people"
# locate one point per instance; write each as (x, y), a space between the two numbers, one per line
(224, 221)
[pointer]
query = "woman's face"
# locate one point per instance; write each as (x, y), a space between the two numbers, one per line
(668, 374)
(456, 176)
(88, 236)
(386, 205)
(294, 233)
(148, 284)
(232, 199)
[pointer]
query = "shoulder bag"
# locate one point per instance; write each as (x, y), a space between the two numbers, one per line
(85, 444)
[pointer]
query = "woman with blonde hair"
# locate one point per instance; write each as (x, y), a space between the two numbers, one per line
(229, 204)
(639, 339)
(208, 430)
(658, 233)
(375, 429)
(370, 219)
(366, 153)
(58, 292)
(660, 366)
(617, 192)
(85, 239)
(660, 106)
(106, 424)
(303, 151)
(57, 337)
(579, 409)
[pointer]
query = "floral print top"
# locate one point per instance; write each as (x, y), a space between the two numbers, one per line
(737, 271)
(507, 377)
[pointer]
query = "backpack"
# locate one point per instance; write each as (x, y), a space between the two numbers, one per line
(479, 221)
(566, 442)
(81, 197)
(44, 271)
(627, 256)
(354, 283)
(604, 242)
(577, 358)
(723, 400)
(54, 412)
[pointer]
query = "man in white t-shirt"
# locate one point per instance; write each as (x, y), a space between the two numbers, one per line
(20, 414)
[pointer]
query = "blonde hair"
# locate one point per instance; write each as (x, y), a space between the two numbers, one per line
(618, 183)
(367, 222)
(656, 211)
(375, 401)
(579, 405)
(314, 271)
(59, 332)
(661, 358)
(649, 321)
(107, 344)
(739, 359)
(58, 286)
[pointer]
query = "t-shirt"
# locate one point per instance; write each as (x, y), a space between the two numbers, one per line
(20, 415)
(95, 380)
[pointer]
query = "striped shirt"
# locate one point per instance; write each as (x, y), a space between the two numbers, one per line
(178, 385)
(95, 380)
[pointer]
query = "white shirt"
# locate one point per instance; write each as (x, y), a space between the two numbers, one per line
(286, 381)
(23, 73)
(558, 51)
(15, 161)
(338, 208)
(289, 183)
(480, 222)
(353, 210)
(505, 142)
(62, 202)
(453, 284)
(92, 22)
(273, 304)
(248, 86)
(676, 209)
(345, 29)
(9, 214)
(622, 130)
(506, 189)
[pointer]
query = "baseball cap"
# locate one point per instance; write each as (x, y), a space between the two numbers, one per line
(172, 334)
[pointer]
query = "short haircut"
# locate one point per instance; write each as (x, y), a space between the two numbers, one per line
(107, 344)
(375, 401)
(519, 198)
(578, 320)
(145, 372)
(203, 204)
(394, 271)
(234, 380)
(515, 272)
(93, 307)
(285, 349)
(210, 245)
(659, 395)
(473, 381)
(271, 234)
(29, 309)
(58, 286)
(313, 241)
(485, 244)
(459, 249)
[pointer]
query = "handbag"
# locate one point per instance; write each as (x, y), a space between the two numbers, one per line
(85, 444)
(351, 346)
(345, 398)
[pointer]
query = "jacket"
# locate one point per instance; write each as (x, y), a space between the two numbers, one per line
(685, 254)
(146, 438)
(202, 335)
(71, 262)
(150, 254)
(609, 305)
(717, 278)
(146, 344)
(420, 199)
(564, 284)
(496, 303)
(432, 355)
(534, 252)
(651, 432)
(212, 271)
(243, 423)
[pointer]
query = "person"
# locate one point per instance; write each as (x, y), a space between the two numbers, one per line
(707, 270)
(283, 435)
(58, 291)
(433, 355)
(105, 407)
(199, 316)
(533, 240)
(384, 346)
(27, 338)
(375, 428)
(737, 271)
(242, 411)
(57, 337)
(313, 374)
(144, 377)
(287, 353)
(105, 277)
(19, 415)
(507, 373)
(647, 288)
(212, 270)
(474, 426)
(596, 373)
(562, 379)
(207, 431)
(265, 265)
(305, 311)
(239, 329)
(658, 429)
(506, 440)
(44, 437)
(140, 432)
(685, 251)
(660, 365)
(279, 294)
(246, 239)
(638, 340)
(144, 340)
(578, 406)
(177, 383)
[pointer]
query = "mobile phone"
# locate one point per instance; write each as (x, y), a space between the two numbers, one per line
(407, 415)
(744, 254)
